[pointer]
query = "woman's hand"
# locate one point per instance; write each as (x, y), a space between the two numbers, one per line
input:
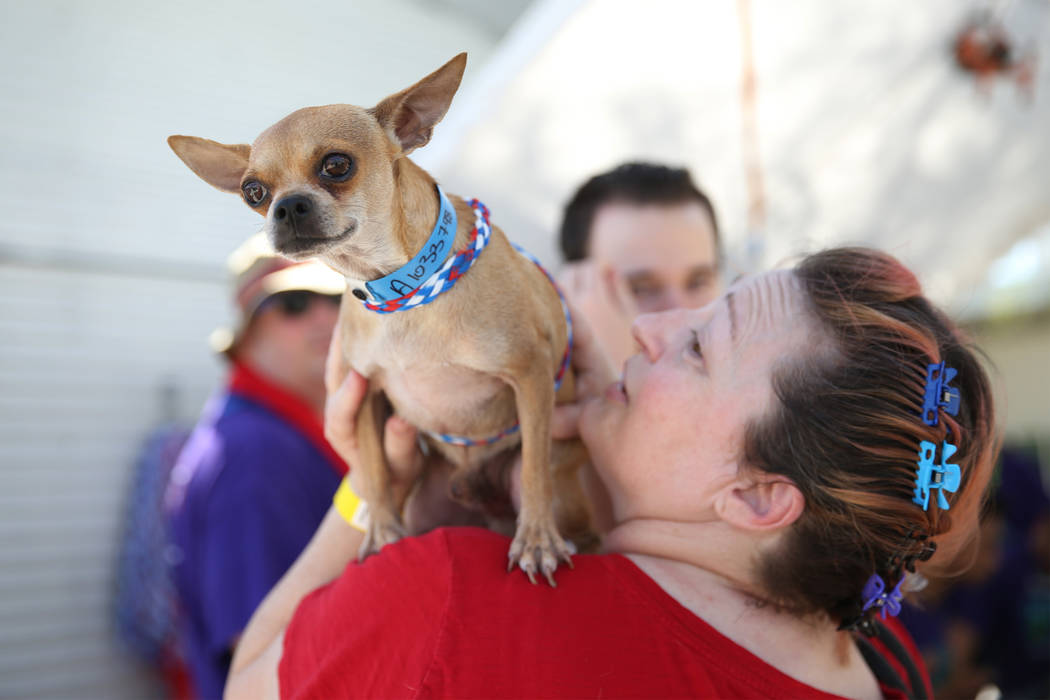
(346, 390)
(593, 371)
(601, 295)
(593, 374)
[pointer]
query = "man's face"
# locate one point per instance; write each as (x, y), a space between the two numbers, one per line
(291, 332)
(666, 253)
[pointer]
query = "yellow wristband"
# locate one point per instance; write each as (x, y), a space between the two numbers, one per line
(350, 506)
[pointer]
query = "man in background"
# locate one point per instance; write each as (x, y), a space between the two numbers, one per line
(637, 239)
(256, 476)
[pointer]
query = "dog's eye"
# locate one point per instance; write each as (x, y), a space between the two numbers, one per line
(254, 193)
(337, 166)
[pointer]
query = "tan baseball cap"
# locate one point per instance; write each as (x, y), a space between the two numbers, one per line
(258, 272)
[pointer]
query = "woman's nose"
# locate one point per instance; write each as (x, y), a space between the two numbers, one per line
(652, 331)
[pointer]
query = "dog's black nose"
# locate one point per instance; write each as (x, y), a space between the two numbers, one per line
(292, 209)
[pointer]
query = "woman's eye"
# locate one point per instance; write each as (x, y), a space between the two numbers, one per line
(695, 347)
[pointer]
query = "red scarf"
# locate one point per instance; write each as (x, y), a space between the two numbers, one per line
(249, 384)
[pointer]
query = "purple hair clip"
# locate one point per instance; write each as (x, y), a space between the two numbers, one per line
(929, 475)
(939, 394)
(875, 596)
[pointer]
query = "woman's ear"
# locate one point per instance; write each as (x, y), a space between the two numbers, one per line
(759, 504)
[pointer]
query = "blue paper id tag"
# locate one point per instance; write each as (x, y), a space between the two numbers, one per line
(425, 263)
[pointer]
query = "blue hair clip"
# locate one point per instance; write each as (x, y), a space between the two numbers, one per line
(929, 475)
(939, 394)
(875, 596)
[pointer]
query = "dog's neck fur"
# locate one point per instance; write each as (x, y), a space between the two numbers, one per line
(411, 218)
(414, 207)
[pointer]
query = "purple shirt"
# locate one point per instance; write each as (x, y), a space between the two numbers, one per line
(246, 495)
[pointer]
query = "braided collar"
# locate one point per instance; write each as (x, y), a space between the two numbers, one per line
(438, 280)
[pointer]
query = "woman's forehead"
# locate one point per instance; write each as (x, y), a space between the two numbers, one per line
(772, 279)
(762, 303)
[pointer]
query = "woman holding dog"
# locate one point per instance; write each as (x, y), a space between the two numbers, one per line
(776, 465)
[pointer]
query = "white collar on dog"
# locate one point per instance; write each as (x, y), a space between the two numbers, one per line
(421, 266)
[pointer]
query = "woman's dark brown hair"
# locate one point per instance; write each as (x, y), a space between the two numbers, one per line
(846, 430)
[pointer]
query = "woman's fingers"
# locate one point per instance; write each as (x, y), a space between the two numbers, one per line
(340, 415)
(400, 444)
(603, 297)
(565, 422)
(619, 292)
(569, 280)
(592, 376)
(335, 366)
(402, 449)
(593, 370)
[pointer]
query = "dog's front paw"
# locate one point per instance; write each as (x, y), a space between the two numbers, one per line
(537, 546)
(378, 535)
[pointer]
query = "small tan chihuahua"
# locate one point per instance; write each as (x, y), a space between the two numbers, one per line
(334, 183)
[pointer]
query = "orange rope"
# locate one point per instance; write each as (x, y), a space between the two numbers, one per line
(756, 208)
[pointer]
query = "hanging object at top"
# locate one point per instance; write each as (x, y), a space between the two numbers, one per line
(984, 48)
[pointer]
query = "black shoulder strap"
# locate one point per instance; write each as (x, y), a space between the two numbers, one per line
(896, 647)
(884, 672)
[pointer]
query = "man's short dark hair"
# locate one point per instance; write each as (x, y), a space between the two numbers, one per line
(632, 183)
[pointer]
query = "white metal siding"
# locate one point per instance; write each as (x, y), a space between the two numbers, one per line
(82, 362)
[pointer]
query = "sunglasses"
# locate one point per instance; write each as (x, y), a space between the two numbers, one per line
(297, 301)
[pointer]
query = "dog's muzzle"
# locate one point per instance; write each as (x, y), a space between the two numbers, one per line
(297, 226)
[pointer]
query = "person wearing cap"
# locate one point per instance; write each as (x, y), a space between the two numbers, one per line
(256, 475)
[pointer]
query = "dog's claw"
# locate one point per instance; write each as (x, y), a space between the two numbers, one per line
(550, 563)
(539, 547)
(530, 570)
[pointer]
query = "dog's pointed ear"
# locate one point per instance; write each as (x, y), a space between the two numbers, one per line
(409, 116)
(218, 164)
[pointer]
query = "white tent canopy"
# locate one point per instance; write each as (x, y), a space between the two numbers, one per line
(867, 131)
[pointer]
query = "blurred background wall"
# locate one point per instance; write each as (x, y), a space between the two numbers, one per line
(859, 127)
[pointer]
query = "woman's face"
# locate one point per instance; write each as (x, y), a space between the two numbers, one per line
(670, 435)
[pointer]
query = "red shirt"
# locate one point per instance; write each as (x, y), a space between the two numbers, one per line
(438, 616)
